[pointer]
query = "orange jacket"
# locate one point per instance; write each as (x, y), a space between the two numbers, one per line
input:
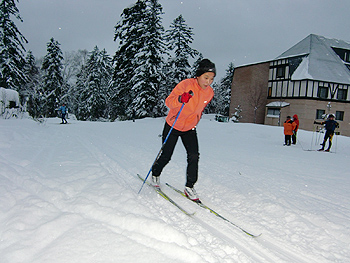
(289, 127)
(192, 111)
(296, 120)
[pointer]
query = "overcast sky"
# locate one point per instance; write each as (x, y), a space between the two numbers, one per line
(238, 31)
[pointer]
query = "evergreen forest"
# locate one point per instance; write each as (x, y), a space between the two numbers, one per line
(96, 86)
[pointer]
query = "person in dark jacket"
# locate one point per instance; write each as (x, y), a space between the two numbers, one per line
(63, 110)
(294, 136)
(330, 125)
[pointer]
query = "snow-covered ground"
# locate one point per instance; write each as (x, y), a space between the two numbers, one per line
(68, 193)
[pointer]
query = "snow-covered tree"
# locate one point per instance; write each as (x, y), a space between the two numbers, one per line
(148, 73)
(139, 59)
(127, 35)
(223, 92)
(237, 115)
(178, 38)
(33, 91)
(93, 83)
(72, 65)
(12, 49)
(53, 79)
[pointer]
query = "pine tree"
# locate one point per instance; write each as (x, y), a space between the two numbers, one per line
(11, 47)
(179, 37)
(148, 73)
(127, 34)
(53, 80)
(223, 92)
(33, 88)
(93, 82)
(139, 59)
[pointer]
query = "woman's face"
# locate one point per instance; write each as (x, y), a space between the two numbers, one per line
(206, 79)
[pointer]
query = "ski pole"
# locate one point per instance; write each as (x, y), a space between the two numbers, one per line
(336, 139)
(312, 138)
(161, 149)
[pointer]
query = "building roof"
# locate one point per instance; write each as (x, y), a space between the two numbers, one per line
(320, 61)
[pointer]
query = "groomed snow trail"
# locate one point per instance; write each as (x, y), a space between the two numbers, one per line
(68, 193)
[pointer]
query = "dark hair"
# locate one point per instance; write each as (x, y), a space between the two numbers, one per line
(205, 66)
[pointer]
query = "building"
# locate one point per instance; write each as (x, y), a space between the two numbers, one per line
(311, 79)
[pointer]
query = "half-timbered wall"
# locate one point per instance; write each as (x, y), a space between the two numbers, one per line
(280, 86)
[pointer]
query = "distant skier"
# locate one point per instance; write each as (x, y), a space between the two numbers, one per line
(330, 125)
(63, 110)
(289, 126)
(294, 136)
(196, 94)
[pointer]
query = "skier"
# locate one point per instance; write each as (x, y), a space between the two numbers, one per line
(330, 125)
(294, 136)
(63, 110)
(195, 93)
(289, 126)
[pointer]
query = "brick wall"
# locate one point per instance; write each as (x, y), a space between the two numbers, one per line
(249, 89)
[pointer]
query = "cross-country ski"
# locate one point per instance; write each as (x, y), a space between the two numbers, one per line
(198, 202)
(165, 196)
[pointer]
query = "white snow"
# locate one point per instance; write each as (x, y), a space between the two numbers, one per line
(302, 72)
(278, 104)
(68, 193)
(7, 95)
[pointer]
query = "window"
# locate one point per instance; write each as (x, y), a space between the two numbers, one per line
(342, 94)
(320, 114)
(281, 72)
(322, 92)
(339, 115)
(344, 54)
(273, 111)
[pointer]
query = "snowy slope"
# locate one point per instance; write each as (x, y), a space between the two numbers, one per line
(68, 193)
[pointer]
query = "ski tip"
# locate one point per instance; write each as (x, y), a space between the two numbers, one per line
(191, 214)
(255, 236)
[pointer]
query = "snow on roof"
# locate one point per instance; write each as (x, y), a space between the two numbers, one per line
(320, 62)
(302, 71)
(278, 104)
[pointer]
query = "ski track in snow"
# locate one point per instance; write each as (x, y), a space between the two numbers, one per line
(68, 193)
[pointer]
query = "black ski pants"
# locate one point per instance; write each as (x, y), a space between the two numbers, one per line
(328, 135)
(190, 141)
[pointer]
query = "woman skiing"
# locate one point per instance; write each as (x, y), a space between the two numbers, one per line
(195, 94)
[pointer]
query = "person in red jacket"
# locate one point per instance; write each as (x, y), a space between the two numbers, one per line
(294, 136)
(195, 94)
(289, 126)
